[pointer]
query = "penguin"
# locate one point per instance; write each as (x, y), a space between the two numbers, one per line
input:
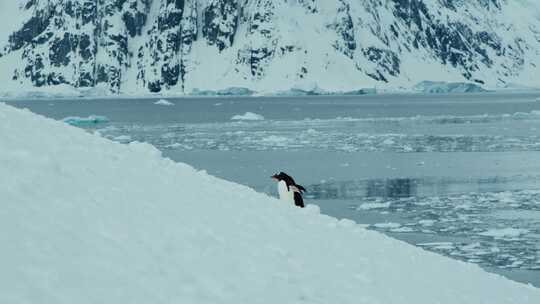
(288, 190)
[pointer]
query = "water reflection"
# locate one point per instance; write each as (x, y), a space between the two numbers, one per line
(413, 187)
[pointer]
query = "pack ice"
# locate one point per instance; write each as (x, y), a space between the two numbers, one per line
(86, 220)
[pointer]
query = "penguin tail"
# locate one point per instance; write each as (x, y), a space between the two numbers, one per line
(298, 200)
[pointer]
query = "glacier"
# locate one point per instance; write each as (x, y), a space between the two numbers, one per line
(203, 47)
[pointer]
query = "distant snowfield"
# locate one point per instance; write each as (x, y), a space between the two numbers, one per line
(87, 220)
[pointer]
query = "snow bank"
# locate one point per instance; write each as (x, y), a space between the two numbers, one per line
(248, 116)
(92, 119)
(447, 87)
(86, 220)
(164, 102)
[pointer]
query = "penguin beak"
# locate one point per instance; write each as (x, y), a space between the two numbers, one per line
(274, 177)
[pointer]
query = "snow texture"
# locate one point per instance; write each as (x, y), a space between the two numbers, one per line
(86, 220)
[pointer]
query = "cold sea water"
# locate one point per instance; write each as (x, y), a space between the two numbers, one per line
(454, 174)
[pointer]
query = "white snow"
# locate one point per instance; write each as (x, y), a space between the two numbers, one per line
(87, 220)
(248, 116)
(504, 232)
(164, 102)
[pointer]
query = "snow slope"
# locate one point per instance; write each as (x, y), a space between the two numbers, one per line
(86, 220)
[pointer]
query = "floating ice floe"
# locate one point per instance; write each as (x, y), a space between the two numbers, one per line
(248, 116)
(438, 245)
(402, 229)
(369, 206)
(92, 119)
(164, 102)
(426, 223)
(387, 225)
(504, 233)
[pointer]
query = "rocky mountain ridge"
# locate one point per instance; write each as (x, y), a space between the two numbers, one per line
(129, 46)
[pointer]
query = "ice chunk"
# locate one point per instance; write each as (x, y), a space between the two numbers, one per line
(504, 233)
(402, 229)
(387, 225)
(164, 102)
(92, 119)
(426, 222)
(248, 116)
(369, 206)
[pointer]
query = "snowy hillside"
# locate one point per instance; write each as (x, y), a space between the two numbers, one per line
(185, 46)
(86, 220)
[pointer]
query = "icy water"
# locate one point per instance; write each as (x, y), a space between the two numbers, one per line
(455, 174)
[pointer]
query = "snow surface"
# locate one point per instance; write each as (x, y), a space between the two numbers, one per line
(248, 116)
(87, 220)
(164, 102)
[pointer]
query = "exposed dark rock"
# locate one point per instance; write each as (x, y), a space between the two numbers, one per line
(220, 23)
(345, 29)
(386, 60)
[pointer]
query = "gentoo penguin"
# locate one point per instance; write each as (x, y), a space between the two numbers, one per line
(288, 190)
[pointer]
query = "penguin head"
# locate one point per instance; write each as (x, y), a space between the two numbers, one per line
(280, 176)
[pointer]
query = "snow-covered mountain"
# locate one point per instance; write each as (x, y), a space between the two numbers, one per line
(178, 46)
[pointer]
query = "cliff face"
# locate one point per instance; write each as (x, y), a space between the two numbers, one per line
(181, 45)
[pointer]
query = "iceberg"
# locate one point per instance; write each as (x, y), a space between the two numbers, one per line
(164, 102)
(248, 116)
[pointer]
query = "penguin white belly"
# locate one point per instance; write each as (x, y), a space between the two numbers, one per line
(284, 193)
